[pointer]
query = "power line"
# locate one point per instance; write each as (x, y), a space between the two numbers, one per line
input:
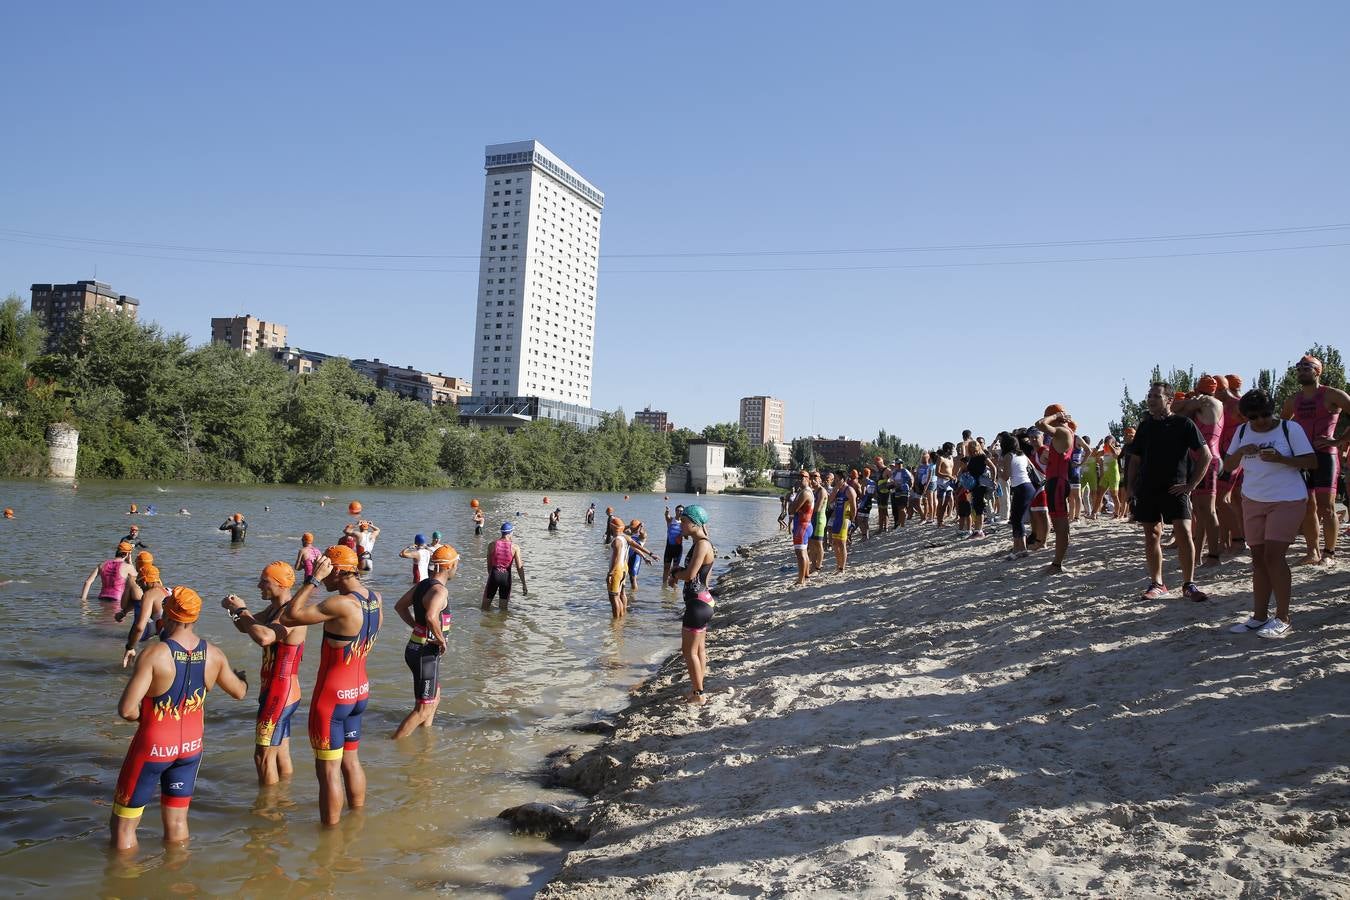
(16, 233)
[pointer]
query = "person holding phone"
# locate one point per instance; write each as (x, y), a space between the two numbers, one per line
(1273, 453)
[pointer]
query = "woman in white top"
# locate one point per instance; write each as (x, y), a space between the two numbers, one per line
(1013, 469)
(1272, 453)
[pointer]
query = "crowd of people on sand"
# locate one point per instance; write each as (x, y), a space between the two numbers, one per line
(1228, 471)
(173, 668)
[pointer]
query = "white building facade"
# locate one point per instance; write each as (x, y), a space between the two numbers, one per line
(538, 272)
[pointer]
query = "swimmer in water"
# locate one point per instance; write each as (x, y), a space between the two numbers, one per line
(590, 515)
(166, 698)
(425, 607)
(674, 546)
(637, 544)
(478, 520)
(308, 555)
(351, 617)
(279, 685)
(365, 534)
(182, 511)
(133, 536)
(502, 554)
(554, 518)
(420, 554)
(237, 528)
(116, 577)
(148, 612)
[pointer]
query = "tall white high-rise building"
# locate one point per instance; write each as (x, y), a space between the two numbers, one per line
(536, 285)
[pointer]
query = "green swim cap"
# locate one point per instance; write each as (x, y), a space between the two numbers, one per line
(696, 514)
(435, 535)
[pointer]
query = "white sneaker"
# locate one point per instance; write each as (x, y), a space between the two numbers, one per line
(1275, 628)
(1250, 625)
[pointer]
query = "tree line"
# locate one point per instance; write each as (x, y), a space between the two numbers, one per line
(149, 406)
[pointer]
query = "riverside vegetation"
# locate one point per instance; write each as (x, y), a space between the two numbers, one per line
(149, 406)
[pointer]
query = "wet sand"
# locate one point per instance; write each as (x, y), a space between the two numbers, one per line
(939, 722)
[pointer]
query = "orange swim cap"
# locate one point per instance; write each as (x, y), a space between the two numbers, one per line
(1234, 383)
(183, 605)
(609, 510)
(239, 517)
(280, 574)
(1311, 361)
(150, 574)
(307, 538)
(9, 513)
(1178, 396)
(1052, 409)
(1207, 384)
(616, 522)
(144, 558)
(344, 559)
(635, 524)
(124, 547)
(445, 556)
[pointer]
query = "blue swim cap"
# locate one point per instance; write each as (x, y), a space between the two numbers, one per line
(420, 539)
(506, 528)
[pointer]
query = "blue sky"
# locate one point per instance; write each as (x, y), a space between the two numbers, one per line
(358, 128)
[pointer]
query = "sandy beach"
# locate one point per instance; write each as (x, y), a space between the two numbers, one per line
(938, 722)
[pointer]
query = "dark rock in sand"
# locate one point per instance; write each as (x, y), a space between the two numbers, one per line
(601, 726)
(548, 820)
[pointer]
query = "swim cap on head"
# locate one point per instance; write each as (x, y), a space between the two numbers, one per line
(1178, 396)
(419, 539)
(9, 512)
(696, 514)
(1234, 383)
(1053, 408)
(616, 522)
(280, 573)
(144, 558)
(609, 510)
(507, 528)
(150, 574)
(183, 605)
(1207, 384)
(343, 558)
(445, 555)
(435, 535)
(1309, 360)
(307, 538)
(124, 547)
(635, 524)
(239, 517)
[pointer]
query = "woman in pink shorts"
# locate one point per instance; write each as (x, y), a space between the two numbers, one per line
(1272, 453)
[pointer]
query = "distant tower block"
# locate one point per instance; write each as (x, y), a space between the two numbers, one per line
(63, 450)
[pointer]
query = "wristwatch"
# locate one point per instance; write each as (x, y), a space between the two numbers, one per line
(236, 612)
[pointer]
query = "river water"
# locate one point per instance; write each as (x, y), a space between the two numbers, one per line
(513, 684)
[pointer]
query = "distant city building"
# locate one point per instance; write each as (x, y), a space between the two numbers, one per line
(654, 419)
(837, 452)
(432, 389)
(248, 333)
(540, 254)
(409, 383)
(782, 452)
(57, 305)
(762, 419)
(301, 362)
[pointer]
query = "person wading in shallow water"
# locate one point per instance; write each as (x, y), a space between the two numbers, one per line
(166, 698)
(426, 610)
(351, 618)
(698, 601)
(279, 684)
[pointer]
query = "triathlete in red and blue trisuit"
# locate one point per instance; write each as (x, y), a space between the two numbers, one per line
(343, 688)
(167, 748)
(280, 692)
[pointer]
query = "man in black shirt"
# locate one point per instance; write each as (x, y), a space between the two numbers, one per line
(1161, 479)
